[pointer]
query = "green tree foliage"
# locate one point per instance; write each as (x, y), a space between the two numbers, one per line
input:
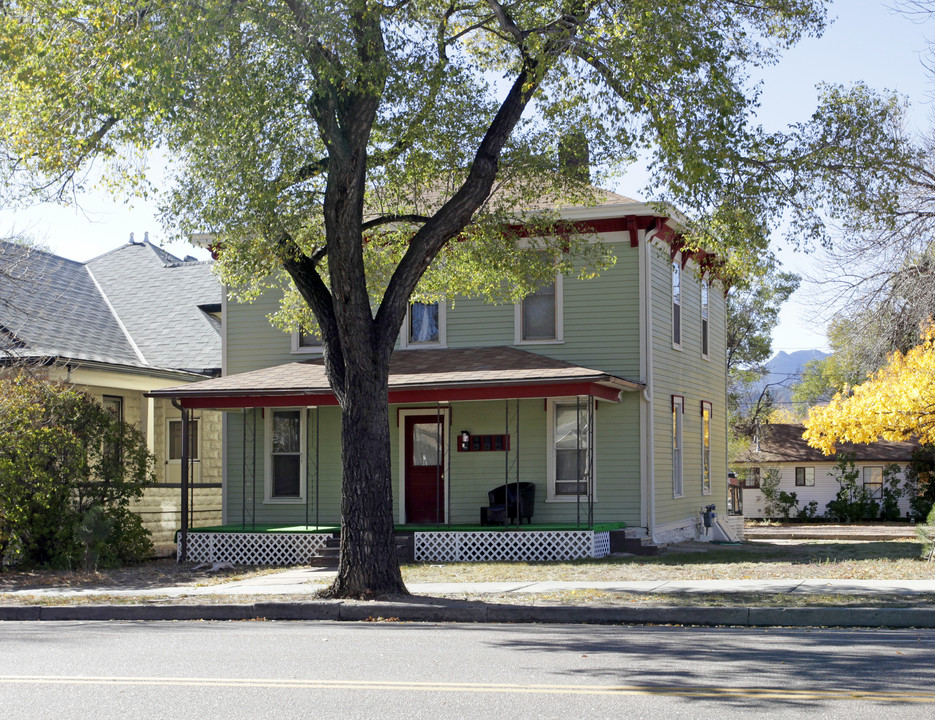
(337, 148)
(68, 470)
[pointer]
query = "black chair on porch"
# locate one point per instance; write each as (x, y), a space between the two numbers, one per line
(503, 504)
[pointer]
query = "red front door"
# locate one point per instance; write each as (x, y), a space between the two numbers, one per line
(425, 469)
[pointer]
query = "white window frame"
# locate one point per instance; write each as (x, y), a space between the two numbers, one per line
(877, 492)
(177, 461)
(559, 318)
(268, 456)
(551, 495)
(303, 349)
(678, 446)
(705, 324)
(706, 447)
(677, 324)
(406, 343)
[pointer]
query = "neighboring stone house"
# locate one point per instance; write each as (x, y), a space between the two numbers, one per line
(807, 472)
(608, 395)
(130, 321)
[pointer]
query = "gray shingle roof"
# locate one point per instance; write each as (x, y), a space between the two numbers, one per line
(53, 309)
(157, 296)
(137, 305)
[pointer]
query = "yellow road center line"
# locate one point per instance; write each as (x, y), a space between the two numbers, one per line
(407, 685)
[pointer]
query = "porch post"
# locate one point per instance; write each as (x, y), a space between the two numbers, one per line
(183, 537)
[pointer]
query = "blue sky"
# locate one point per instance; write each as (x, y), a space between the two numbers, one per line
(867, 41)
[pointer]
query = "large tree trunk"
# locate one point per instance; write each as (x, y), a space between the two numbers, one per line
(368, 566)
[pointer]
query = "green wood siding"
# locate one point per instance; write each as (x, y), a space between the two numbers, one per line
(683, 372)
(602, 321)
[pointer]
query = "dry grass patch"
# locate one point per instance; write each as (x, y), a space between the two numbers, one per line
(760, 560)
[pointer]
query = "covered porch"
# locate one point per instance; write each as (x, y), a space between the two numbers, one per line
(469, 423)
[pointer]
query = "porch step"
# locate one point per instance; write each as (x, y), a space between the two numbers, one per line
(621, 544)
(329, 555)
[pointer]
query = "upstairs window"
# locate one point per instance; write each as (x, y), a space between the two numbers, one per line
(704, 318)
(305, 341)
(425, 325)
(539, 314)
(676, 304)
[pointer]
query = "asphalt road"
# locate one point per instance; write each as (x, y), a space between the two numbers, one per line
(283, 670)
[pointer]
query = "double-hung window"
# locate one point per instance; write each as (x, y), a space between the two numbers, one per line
(678, 410)
(676, 304)
(873, 481)
(285, 457)
(704, 318)
(425, 325)
(752, 478)
(705, 447)
(175, 440)
(571, 461)
(539, 314)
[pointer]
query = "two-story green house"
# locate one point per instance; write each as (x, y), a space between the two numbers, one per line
(607, 395)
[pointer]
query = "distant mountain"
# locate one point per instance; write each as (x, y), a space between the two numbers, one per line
(785, 370)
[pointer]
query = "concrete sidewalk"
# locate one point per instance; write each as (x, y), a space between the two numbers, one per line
(426, 606)
(300, 581)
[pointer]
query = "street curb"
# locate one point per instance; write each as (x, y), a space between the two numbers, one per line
(441, 611)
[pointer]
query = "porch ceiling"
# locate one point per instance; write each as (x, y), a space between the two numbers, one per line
(490, 373)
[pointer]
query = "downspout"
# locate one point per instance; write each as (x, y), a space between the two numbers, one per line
(183, 532)
(646, 272)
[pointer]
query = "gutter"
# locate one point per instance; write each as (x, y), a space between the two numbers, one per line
(646, 268)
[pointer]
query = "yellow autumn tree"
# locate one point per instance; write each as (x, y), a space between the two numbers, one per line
(897, 402)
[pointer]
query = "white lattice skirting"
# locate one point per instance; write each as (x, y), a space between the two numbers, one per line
(255, 548)
(483, 546)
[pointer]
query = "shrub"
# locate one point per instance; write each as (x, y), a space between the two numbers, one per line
(919, 485)
(853, 501)
(68, 471)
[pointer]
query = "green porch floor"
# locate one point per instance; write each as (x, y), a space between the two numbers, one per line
(260, 528)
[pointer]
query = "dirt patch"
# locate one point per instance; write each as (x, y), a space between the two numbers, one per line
(159, 573)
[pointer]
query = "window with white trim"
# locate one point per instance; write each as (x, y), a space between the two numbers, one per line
(676, 304)
(678, 410)
(285, 454)
(704, 318)
(304, 341)
(873, 481)
(425, 325)
(539, 314)
(805, 477)
(751, 479)
(571, 464)
(705, 447)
